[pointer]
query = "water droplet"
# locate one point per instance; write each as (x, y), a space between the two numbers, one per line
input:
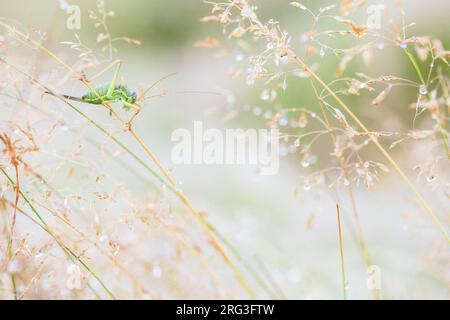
(284, 59)
(380, 46)
(270, 46)
(250, 80)
(322, 52)
(403, 44)
(304, 38)
(39, 255)
(305, 163)
(257, 111)
(366, 164)
(265, 95)
(423, 90)
(239, 56)
(431, 178)
(283, 121)
(347, 285)
(346, 182)
(297, 143)
(306, 186)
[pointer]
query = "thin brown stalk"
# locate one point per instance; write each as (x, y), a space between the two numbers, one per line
(341, 253)
(341, 161)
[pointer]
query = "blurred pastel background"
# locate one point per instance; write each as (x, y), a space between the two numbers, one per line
(288, 236)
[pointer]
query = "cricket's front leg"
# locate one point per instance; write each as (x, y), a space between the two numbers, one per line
(112, 86)
(109, 67)
(137, 108)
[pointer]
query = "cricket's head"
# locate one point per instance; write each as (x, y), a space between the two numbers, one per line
(133, 97)
(125, 94)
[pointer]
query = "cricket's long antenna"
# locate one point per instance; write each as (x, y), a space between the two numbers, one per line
(200, 92)
(65, 96)
(142, 96)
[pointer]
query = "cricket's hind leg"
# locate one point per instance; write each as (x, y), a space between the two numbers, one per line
(118, 64)
(137, 108)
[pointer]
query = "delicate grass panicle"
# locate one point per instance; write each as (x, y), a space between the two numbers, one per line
(269, 54)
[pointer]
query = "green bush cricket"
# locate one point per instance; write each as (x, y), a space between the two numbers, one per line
(109, 93)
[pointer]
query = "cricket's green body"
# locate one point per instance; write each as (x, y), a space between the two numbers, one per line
(119, 93)
(109, 93)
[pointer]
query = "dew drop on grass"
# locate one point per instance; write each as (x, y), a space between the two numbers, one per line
(284, 59)
(423, 90)
(347, 285)
(250, 80)
(265, 95)
(239, 56)
(403, 44)
(283, 121)
(431, 178)
(306, 186)
(39, 255)
(304, 38)
(305, 163)
(257, 111)
(322, 52)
